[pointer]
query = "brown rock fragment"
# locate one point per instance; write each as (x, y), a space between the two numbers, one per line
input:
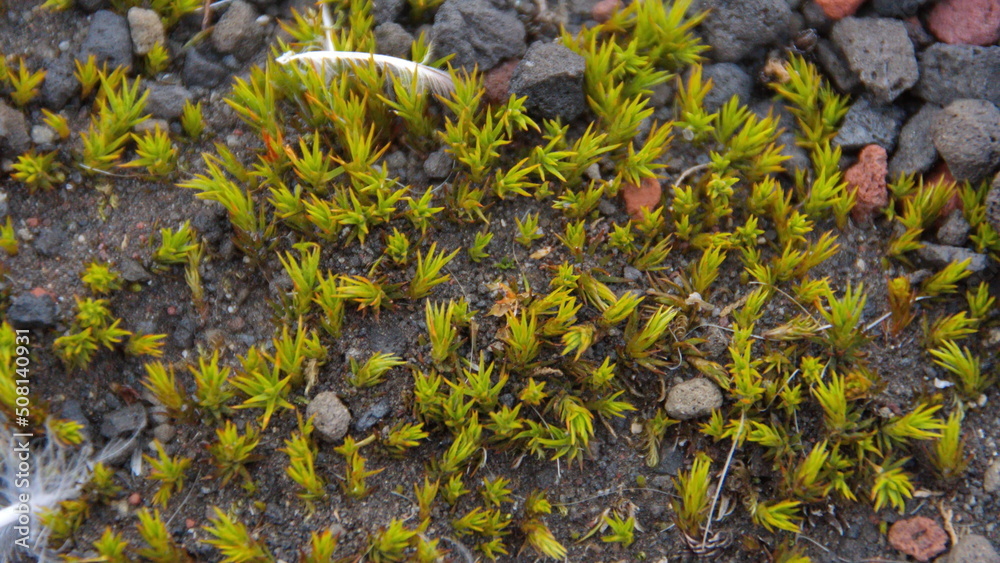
(920, 537)
(644, 196)
(868, 176)
(839, 9)
(603, 10)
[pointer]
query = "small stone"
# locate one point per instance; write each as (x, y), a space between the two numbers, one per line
(897, 8)
(644, 196)
(920, 537)
(14, 135)
(133, 271)
(146, 30)
(972, 548)
(867, 123)
(371, 416)
(868, 176)
(728, 80)
(124, 421)
(993, 204)
(940, 255)
(330, 416)
(237, 32)
(60, 85)
(955, 229)
(42, 135)
(968, 22)
(151, 125)
(991, 477)
(438, 165)
(551, 76)
(496, 82)
(880, 52)
(693, 399)
(164, 432)
(967, 135)
(32, 310)
(737, 30)
(166, 101)
(915, 152)
(478, 33)
(839, 9)
(109, 40)
(49, 241)
(201, 71)
(952, 72)
(134, 499)
(603, 10)
(392, 39)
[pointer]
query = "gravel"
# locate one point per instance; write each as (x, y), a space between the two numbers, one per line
(967, 135)
(108, 39)
(32, 310)
(915, 152)
(737, 30)
(551, 76)
(951, 72)
(879, 52)
(867, 123)
(478, 33)
(330, 416)
(693, 399)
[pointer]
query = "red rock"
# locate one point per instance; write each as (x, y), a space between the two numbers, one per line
(134, 499)
(644, 196)
(32, 222)
(839, 9)
(868, 176)
(603, 10)
(497, 82)
(40, 292)
(920, 537)
(966, 22)
(189, 523)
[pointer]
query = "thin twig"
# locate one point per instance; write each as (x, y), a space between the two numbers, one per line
(690, 171)
(722, 479)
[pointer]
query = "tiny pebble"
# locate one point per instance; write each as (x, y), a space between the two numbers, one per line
(189, 523)
(134, 499)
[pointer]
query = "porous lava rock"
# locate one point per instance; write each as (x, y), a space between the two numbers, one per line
(920, 537)
(644, 196)
(968, 22)
(868, 177)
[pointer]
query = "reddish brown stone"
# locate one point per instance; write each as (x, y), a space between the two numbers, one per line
(603, 10)
(134, 499)
(920, 537)
(497, 82)
(838, 9)
(189, 523)
(644, 196)
(868, 176)
(40, 292)
(966, 22)
(32, 222)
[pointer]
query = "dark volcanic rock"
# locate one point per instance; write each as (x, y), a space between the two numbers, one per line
(551, 76)
(478, 33)
(202, 71)
(108, 39)
(736, 30)
(237, 32)
(60, 85)
(879, 51)
(14, 135)
(916, 152)
(32, 310)
(897, 8)
(166, 101)
(967, 135)
(728, 80)
(951, 72)
(868, 124)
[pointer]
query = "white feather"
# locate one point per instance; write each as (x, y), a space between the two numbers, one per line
(428, 77)
(55, 473)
